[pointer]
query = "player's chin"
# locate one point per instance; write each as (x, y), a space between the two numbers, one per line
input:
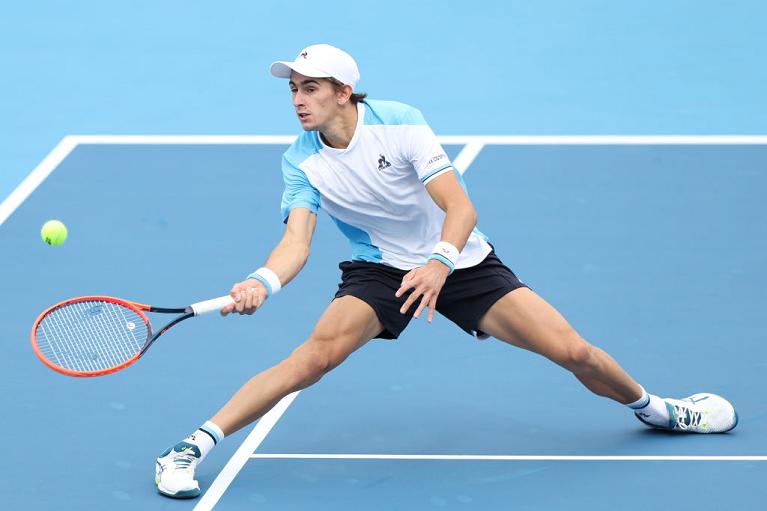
(307, 124)
(308, 127)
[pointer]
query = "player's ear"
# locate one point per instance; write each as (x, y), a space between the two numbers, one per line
(343, 93)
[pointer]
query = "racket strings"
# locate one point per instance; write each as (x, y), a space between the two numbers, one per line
(91, 336)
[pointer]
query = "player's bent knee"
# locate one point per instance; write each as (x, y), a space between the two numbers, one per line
(309, 364)
(580, 356)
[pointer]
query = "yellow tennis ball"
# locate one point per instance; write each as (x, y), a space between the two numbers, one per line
(54, 232)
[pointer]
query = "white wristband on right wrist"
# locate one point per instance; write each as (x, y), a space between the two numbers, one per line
(446, 253)
(268, 278)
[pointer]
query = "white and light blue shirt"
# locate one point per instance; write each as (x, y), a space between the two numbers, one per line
(374, 190)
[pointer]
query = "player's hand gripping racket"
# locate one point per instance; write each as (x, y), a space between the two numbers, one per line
(98, 335)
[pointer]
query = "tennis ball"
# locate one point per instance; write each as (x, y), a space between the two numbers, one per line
(54, 232)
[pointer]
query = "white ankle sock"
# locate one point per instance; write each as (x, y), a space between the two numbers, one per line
(641, 402)
(651, 408)
(205, 438)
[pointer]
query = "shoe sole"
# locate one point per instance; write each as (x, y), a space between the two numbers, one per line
(183, 494)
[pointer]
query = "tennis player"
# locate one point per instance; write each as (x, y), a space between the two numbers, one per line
(378, 170)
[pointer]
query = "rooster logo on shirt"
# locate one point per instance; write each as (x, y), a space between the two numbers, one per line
(382, 163)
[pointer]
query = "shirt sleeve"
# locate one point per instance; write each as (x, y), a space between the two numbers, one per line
(299, 192)
(425, 152)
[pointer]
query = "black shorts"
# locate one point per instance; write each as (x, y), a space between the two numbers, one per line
(466, 296)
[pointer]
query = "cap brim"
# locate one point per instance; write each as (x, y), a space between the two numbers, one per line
(283, 69)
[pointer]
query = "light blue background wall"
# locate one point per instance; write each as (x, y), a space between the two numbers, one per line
(483, 67)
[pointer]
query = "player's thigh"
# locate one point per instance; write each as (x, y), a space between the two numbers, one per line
(526, 320)
(346, 325)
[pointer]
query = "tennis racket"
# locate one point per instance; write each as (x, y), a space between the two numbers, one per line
(98, 335)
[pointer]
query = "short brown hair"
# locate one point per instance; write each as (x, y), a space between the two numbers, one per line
(355, 97)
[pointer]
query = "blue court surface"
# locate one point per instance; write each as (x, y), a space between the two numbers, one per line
(653, 248)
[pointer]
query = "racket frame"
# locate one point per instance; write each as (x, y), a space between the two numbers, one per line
(138, 308)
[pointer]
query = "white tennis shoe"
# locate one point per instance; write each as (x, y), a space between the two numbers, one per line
(699, 413)
(174, 471)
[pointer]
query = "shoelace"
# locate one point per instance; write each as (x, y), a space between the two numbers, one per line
(687, 418)
(184, 462)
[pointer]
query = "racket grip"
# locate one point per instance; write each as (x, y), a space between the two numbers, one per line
(214, 305)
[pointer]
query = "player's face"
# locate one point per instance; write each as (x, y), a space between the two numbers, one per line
(315, 101)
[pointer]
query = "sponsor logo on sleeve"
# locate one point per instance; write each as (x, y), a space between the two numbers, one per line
(437, 158)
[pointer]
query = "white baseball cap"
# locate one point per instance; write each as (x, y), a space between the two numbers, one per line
(320, 61)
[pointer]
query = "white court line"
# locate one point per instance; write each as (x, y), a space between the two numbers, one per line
(466, 157)
(248, 447)
(605, 139)
(479, 457)
(445, 139)
(37, 176)
(472, 142)
(185, 139)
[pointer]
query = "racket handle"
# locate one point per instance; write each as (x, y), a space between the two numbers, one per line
(214, 305)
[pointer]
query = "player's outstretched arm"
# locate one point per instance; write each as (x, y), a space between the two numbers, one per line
(285, 262)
